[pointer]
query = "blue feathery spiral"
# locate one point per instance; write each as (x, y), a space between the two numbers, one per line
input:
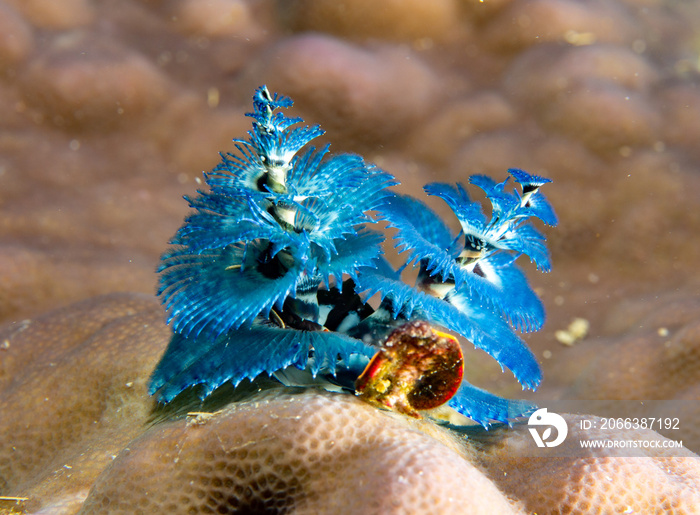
(271, 271)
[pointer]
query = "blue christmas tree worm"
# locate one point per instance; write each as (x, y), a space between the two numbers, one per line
(271, 272)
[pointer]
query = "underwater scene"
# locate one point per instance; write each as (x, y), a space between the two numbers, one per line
(349, 257)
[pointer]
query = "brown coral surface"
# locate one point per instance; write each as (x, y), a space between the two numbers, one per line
(111, 110)
(81, 436)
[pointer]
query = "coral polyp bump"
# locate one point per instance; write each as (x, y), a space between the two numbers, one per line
(271, 274)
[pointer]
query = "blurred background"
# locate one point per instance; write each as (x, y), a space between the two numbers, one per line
(111, 110)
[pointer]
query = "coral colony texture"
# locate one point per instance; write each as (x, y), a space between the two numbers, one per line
(281, 452)
(271, 273)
